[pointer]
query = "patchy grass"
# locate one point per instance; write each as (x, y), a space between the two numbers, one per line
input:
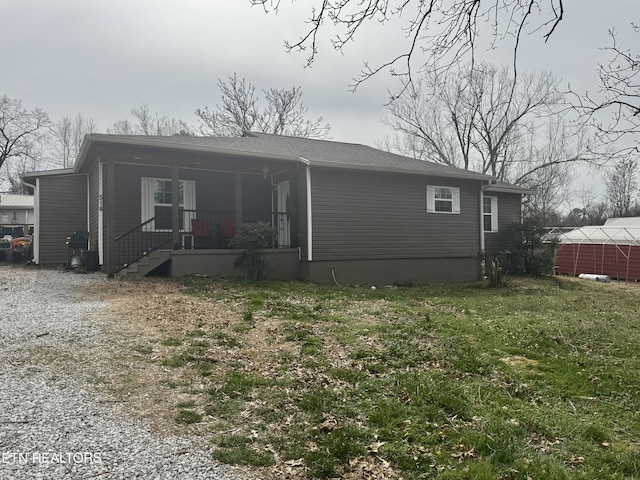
(540, 379)
(188, 416)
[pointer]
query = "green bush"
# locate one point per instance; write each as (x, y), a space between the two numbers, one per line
(530, 255)
(252, 239)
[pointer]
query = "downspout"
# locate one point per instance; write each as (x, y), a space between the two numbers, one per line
(483, 188)
(89, 215)
(309, 210)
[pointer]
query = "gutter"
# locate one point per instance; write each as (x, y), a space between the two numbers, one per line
(28, 185)
(465, 175)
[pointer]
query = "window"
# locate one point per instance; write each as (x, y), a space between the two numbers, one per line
(490, 213)
(443, 199)
(156, 203)
(162, 204)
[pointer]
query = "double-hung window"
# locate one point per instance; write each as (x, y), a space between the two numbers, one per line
(443, 199)
(490, 213)
(156, 202)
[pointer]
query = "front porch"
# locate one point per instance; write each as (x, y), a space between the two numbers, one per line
(193, 202)
(205, 245)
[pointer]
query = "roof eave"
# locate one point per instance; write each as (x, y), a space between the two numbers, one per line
(510, 189)
(47, 173)
(151, 142)
(392, 169)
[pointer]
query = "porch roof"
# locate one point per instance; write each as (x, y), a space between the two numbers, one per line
(318, 153)
(10, 200)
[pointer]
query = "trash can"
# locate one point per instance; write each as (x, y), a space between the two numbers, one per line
(90, 260)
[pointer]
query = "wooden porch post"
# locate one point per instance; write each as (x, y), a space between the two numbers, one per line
(175, 206)
(238, 199)
(109, 213)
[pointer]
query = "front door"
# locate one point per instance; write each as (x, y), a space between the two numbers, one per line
(283, 213)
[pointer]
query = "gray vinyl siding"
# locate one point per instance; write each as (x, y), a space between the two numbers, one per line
(214, 191)
(359, 215)
(509, 212)
(63, 210)
(128, 193)
(94, 205)
(255, 190)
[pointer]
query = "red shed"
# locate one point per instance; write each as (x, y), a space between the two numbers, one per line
(611, 249)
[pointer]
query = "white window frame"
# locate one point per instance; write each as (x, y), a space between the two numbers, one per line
(493, 213)
(148, 204)
(432, 191)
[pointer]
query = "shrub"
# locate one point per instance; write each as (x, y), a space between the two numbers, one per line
(252, 239)
(530, 254)
(493, 269)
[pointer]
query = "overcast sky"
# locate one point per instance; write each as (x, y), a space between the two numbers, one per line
(101, 58)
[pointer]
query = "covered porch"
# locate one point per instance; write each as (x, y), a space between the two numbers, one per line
(193, 208)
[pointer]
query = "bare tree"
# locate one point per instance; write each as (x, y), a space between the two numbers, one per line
(545, 158)
(589, 211)
(66, 136)
(434, 120)
(147, 123)
(615, 109)
(435, 30)
(241, 111)
(18, 166)
(21, 131)
(486, 120)
(621, 181)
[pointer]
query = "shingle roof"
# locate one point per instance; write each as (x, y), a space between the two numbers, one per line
(316, 152)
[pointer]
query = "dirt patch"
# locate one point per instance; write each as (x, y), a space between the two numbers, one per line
(140, 318)
(153, 326)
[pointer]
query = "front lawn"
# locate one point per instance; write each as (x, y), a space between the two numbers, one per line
(539, 380)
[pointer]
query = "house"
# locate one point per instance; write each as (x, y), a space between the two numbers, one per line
(343, 212)
(16, 215)
(612, 249)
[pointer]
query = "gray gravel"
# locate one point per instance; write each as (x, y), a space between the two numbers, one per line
(50, 431)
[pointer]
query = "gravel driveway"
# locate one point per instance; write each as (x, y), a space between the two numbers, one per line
(51, 429)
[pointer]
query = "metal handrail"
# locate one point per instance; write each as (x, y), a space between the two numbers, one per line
(137, 243)
(137, 227)
(141, 240)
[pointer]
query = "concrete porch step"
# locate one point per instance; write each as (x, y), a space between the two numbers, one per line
(146, 264)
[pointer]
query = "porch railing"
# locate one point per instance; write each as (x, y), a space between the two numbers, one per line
(208, 228)
(131, 246)
(216, 228)
(200, 229)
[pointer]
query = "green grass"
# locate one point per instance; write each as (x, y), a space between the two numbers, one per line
(540, 379)
(188, 416)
